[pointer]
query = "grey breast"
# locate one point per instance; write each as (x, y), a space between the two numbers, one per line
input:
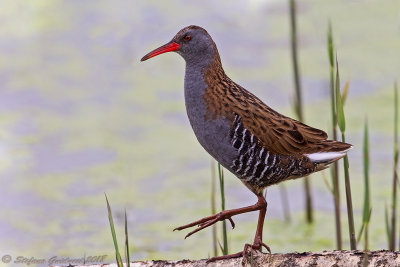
(212, 134)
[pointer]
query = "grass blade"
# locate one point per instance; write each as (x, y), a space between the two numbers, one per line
(342, 125)
(367, 205)
(387, 225)
(339, 105)
(293, 35)
(332, 81)
(222, 188)
(366, 174)
(127, 256)
(330, 45)
(328, 186)
(395, 176)
(360, 232)
(334, 168)
(350, 216)
(220, 247)
(114, 237)
(345, 92)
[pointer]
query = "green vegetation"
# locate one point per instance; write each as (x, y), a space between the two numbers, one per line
(222, 191)
(392, 240)
(213, 208)
(334, 168)
(367, 205)
(114, 236)
(127, 255)
(341, 121)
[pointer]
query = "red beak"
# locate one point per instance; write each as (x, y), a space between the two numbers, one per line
(171, 46)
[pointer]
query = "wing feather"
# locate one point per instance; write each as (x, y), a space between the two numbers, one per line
(280, 134)
(276, 132)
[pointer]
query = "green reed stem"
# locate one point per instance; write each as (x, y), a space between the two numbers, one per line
(213, 208)
(334, 169)
(127, 256)
(222, 188)
(387, 225)
(350, 217)
(299, 102)
(341, 121)
(395, 176)
(367, 205)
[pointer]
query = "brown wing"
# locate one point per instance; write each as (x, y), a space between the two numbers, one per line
(277, 133)
(281, 134)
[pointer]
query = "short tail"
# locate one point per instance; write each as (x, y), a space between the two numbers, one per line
(323, 159)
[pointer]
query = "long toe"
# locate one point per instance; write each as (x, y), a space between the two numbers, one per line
(199, 223)
(267, 247)
(224, 257)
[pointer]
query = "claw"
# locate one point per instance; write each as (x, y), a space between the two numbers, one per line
(203, 225)
(267, 247)
(180, 228)
(232, 222)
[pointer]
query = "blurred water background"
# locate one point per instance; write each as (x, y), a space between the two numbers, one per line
(80, 116)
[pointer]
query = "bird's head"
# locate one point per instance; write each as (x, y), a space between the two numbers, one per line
(193, 43)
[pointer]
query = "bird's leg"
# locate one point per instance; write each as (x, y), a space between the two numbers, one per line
(226, 214)
(257, 244)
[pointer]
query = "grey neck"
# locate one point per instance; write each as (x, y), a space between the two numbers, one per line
(195, 87)
(212, 134)
(194, 77)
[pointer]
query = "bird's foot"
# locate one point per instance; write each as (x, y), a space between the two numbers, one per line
(207, 221)
(247, 251)
(227, 214)
(258, 244)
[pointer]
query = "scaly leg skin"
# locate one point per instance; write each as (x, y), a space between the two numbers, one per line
(223, 215)
(261, 205)
(258, 244)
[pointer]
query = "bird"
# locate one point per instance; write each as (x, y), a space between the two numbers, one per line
(257, 144)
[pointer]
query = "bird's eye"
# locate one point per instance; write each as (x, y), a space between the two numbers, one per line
(187, 37)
